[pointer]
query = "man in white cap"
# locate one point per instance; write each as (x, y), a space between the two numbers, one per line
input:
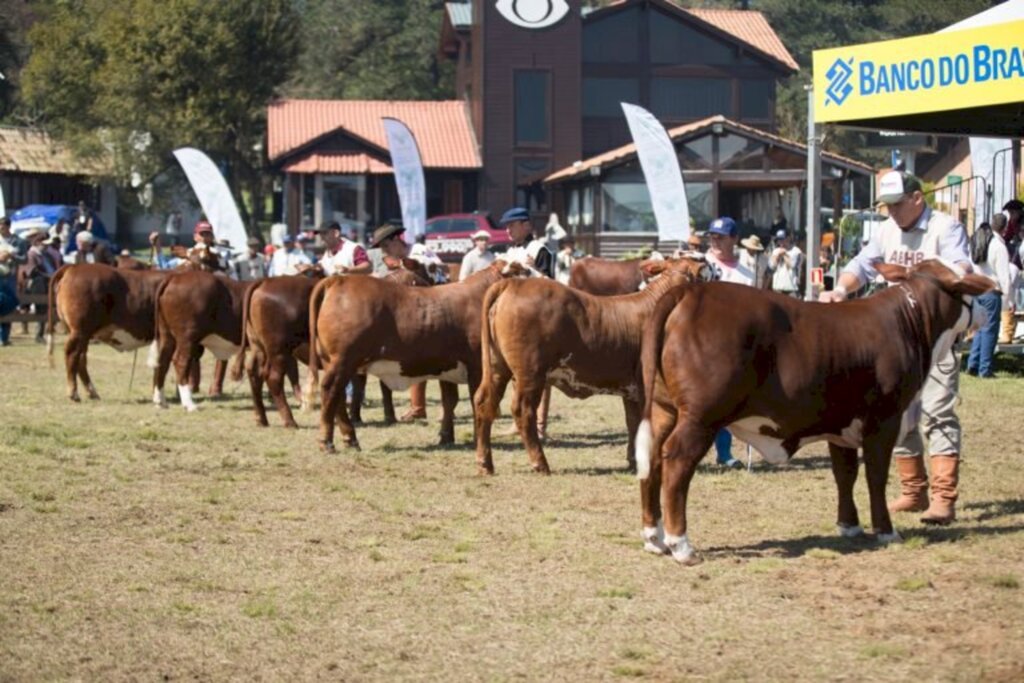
(913, 232)
(477, 258)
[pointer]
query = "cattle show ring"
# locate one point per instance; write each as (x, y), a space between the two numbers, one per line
(209, 477)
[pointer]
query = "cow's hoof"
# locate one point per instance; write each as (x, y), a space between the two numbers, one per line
(352, 445)
(682, 551)
(357, 422)
(94, 397)
(654, 541)
(291, 425)
(327, 447)
(262, 422)
(886, 539)
(74, 398)
(390, 420)
(485, 471)
(542, 469)
(446, 440)
(847, 531)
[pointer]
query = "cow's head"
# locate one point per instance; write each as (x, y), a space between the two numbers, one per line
(410, 272)
(945, 289)
(515, 269)
(693, 265)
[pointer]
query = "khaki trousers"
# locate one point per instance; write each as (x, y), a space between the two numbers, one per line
(934, 412)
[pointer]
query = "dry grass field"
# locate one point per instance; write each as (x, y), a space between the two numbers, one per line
(138, 544)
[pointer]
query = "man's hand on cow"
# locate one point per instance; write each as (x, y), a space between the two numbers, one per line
(833, 295)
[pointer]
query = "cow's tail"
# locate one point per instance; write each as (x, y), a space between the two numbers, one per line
(486, 349)
(156, 310)
(316, 299)
(239, 365)
(650, 356)
(51, 310)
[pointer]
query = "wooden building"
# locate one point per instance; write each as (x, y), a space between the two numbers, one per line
(538, 86)
(729, 169)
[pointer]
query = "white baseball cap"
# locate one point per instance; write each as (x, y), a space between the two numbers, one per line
(895, 185)
(480, 235)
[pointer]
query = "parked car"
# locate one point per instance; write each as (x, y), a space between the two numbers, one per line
(450, 237)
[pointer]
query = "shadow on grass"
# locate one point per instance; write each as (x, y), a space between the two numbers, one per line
(993, 509)
(798, 547)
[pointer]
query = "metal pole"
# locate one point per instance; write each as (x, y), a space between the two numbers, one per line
(813, 193)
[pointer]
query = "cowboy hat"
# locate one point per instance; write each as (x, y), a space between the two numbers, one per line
(384, 232)
(753, 243)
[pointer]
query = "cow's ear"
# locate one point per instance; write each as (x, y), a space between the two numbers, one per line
(652, 268)
(892, 272)
(973, 285)
(410, 264)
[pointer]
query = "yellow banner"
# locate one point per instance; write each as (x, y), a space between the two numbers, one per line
(936, 72)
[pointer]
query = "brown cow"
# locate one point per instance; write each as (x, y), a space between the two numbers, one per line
(604, 277)
(536, 332)
(95, 301)
(275, 317)
(781, 373)
(400, 334)
(195, 310)
(126, 261)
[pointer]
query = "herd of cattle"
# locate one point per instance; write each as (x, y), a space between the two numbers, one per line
(688, 356)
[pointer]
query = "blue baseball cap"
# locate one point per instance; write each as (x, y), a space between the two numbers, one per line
(723, 226)
(513, 216)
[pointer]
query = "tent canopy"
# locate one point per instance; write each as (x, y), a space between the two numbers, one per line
(921, 83)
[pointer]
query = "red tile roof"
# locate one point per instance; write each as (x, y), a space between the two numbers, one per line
(750, 27)
(581, 168)
(341, 162)
(442, 129)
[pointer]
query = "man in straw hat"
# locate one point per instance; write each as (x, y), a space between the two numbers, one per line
(754, 258)
(477, 258)
(913, 232)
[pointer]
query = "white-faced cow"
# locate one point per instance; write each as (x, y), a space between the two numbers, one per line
(780, 374)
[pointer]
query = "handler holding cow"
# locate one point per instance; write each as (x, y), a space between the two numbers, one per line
(912, 233)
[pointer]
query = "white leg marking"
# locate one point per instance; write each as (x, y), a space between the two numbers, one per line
(642, 450)
(153, 356)
(682, 551)
(185, 394)
(654, 540)
(850, 531)
(886, 539)
(159, 400)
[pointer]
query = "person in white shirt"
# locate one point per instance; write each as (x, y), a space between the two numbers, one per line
(477, 258)
(251, 265)
(754, 258)
(342, 256)
(786, 261)
(566, 256)
(724, 233)
(289, 259)
(991, 259)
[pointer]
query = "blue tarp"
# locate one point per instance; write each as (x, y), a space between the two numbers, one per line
(51, 213)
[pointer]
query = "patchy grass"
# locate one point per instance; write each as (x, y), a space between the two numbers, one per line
(141, 544)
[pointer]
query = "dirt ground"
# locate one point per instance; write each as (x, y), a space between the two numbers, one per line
(138, 544)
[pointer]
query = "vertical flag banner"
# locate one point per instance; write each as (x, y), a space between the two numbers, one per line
(408, 167)
(3, 207)
(661, 171)
(214, 196)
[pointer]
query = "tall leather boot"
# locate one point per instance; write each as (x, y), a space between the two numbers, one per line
(913, 485)
(417, 403)
(945, 479)
(1006, 327)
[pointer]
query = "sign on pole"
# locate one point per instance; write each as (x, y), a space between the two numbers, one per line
(214, 196)
(408, 167)
(660, 165)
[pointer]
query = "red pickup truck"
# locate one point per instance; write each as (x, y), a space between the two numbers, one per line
(450, 237)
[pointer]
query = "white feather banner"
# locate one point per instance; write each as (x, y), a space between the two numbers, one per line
(214, 196)
(661, 171)
(408, 168)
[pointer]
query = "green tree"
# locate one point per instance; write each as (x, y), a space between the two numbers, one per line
(135, 79)
(14, 19)
(372, 49)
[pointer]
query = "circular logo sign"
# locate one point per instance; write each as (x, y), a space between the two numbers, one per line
(533, 13)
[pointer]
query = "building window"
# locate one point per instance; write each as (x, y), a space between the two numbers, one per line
(572, 217)
(690, 98)
(602, 96)
(587, 210)
(344, 201)
(673, 42)
(701, 200)
(736, 152)
(308, 202)
(533, 96)
(626, 201)
(528, 176)
(614, 39)
(756, 99)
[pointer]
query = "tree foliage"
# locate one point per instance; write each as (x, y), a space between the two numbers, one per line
(135, 79)
(372, 49)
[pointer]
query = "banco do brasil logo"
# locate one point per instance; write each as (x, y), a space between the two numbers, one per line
(839, 87)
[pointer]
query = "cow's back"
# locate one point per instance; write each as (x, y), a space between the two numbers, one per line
(604, 277)
(279, 309)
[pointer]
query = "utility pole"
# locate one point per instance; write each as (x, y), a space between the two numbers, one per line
(813, 194)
